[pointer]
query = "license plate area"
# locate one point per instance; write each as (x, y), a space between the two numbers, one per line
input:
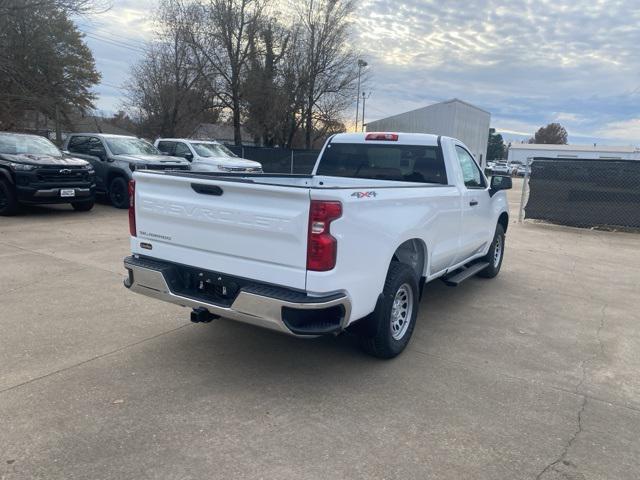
(67, 192)
(210, 286)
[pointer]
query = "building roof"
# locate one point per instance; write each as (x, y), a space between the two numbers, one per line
(446, 102)
(575, 148)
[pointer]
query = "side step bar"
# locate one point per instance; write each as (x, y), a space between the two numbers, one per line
(470, 271)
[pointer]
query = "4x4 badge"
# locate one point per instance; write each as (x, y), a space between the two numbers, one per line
(364, 194)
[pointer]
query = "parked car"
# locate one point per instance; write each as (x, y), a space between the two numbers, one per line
(349, 246)
(501, 168)
(34, 171)
(207, 156)
(521, 170)
(115, 157)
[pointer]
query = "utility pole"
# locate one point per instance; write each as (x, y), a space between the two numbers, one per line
(364, 101)
(361, 65)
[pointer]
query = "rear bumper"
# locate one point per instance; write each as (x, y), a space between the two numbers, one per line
(279, 309)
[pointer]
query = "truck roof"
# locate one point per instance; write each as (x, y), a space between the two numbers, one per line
(188, 140)
(104, 135)
(403, 138)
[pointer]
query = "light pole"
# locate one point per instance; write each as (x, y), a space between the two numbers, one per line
(361, 65)
(364, 101)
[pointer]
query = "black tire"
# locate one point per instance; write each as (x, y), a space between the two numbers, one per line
(495, 255)
(119, 193)
(8, 199)
(83, 206)
(377, 336)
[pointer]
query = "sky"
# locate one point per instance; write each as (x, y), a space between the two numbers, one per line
(527, 62)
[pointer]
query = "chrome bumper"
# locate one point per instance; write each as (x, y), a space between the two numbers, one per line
(248, 307)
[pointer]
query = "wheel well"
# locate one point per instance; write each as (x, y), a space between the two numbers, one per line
(504, 221)
(413, 253)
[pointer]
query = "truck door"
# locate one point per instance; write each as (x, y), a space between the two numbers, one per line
(476, 229)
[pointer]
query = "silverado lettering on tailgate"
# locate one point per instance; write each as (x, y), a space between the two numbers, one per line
(215, 215)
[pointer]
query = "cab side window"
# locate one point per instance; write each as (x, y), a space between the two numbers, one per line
(166, 147)
(470, 170)
(95, 145)
(182, 150)
(79, 144)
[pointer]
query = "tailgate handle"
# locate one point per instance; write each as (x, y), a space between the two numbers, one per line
(207, 189)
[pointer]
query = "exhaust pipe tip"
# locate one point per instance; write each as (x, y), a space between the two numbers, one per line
(202, 315)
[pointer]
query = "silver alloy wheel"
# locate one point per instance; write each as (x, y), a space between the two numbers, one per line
(497, 252)
(401, 311)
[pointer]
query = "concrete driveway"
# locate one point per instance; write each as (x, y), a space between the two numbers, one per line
(535, 374)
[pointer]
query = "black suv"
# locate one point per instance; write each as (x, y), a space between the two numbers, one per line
(33, 170)
(115, 157)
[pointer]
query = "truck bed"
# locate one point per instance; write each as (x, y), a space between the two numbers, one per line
(251, 226)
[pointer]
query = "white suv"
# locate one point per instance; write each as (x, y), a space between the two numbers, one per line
(206, 156)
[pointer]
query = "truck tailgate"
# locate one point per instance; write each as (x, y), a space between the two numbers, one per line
(249, 230)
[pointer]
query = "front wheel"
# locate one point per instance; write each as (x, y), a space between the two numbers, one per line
(391, 324)
(495, 255)
(119, 193)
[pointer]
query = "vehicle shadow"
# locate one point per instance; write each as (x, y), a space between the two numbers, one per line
(242, 356)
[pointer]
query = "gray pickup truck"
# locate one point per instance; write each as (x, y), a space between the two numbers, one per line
(115, 158)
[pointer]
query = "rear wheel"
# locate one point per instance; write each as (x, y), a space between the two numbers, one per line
(119, 193)
(8, 199)
(389, 328)
(83, 206)
(495, 255)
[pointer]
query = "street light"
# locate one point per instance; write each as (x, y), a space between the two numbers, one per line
(361, 65)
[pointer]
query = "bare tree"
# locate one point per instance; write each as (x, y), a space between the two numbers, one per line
(265, 94)
(167, 90)
(222, 41)
(330, 66)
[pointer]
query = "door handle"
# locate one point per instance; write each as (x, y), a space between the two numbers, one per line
(207, 189)
(473, 203)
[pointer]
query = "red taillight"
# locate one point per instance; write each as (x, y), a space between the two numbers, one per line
(322, 248)
(389, 137)
(132, 208)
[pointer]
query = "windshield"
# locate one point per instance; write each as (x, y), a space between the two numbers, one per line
(131, 146)
(30, 144)
(212, 150)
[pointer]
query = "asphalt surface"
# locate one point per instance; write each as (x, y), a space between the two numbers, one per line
(532, 375)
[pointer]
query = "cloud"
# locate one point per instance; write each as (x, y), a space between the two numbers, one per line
(627, 130)
(528, 62)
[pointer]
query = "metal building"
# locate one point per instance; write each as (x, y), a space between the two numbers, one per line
(453, 118)
(519, 152)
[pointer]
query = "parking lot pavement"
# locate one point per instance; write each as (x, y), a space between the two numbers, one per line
(534, 374)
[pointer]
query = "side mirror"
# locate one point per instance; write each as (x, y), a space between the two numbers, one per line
(500, 182)
(188, 156)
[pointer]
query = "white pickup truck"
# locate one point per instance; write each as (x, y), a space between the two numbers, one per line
(349, 246)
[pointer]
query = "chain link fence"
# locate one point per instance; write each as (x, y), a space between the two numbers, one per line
(582, 192)
(279, 160)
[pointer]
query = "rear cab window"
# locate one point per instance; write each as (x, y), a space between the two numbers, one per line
(404, 163)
